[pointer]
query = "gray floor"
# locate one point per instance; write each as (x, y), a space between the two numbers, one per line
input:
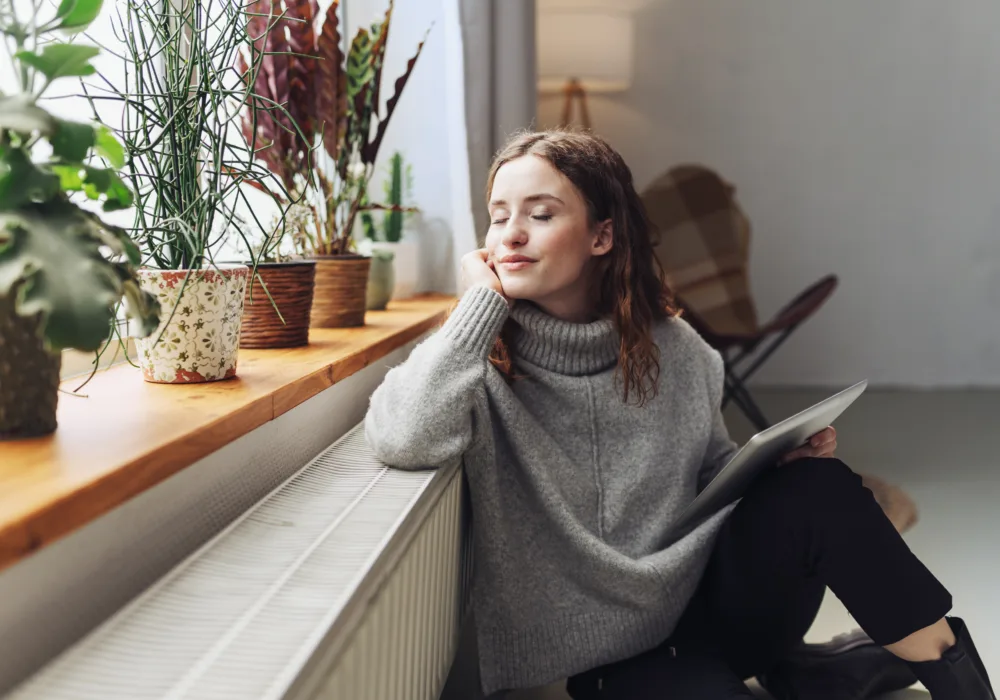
(942, 447)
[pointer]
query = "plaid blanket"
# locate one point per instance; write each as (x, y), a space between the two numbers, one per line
(702, 239)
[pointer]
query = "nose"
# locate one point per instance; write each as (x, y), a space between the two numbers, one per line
(514, 234)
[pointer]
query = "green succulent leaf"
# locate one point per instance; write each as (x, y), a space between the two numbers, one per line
(108, 146)
(95, 182)
(76, 15)
(72, 140)
(70, 177)
(52, 256)
(64, 8)
(21, 182)
(61, 60)
(98, 179)
(116, 193)
(20, 113)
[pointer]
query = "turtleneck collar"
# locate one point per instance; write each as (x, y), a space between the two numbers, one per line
(561, 346)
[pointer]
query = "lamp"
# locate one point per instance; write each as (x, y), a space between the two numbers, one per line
(581, 51)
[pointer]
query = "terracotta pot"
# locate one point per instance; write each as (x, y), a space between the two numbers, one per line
(290, 286)
(201, 313)
(341, 286)
(29, 376)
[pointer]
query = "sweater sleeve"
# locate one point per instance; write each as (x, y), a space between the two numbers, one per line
(421, 416)
(721, 447)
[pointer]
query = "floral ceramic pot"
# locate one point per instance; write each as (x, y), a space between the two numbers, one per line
(201, 314)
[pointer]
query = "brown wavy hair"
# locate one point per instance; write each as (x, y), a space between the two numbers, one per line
(631, 287)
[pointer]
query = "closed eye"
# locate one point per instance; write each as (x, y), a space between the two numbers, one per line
(542, 217)
(499, 221)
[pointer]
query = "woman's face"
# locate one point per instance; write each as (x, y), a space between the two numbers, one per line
(538, 216)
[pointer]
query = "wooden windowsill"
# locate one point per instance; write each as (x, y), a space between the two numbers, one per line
(129, 435)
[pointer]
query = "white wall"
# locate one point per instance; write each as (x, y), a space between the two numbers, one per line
(864, 139)
(428, 126)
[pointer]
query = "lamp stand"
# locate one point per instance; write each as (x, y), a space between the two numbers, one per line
(574, 91)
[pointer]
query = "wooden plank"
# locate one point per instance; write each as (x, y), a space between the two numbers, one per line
(128, 435)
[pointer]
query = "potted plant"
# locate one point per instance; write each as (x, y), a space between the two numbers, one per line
(188, 164)
(278, 304)
(334, 101)
(395, 257)
(63, 270)
(381, 276)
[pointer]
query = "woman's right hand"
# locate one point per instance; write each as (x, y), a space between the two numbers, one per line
(478, 269)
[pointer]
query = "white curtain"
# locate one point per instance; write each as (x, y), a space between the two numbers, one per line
(498, 51)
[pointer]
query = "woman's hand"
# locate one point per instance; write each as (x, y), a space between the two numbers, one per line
(822, 444)
(477, 268)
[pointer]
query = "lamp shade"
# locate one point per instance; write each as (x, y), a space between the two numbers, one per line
(592, 46)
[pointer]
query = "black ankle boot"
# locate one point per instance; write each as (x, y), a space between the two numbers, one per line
(959, 674)
(849, 667)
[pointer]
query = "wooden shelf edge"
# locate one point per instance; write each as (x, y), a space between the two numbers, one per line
(52, 518)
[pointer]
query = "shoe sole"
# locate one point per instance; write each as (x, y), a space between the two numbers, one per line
(834, 646)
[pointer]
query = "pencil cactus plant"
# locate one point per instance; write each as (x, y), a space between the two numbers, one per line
(181, 104)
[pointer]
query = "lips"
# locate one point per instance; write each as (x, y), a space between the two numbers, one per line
(516, 259)
(514, 263)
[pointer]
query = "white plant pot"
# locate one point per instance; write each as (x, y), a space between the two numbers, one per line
(199, 332)
(406, 265)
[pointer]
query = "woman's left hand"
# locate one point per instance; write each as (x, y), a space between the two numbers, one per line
(822, 444)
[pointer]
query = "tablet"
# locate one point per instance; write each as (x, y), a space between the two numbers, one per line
(761, 451)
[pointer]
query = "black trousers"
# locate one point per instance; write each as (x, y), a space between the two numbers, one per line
(799, 528)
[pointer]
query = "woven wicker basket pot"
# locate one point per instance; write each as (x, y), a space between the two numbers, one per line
(29, 376)
(201, 312)
(341, 286)
(290, 285)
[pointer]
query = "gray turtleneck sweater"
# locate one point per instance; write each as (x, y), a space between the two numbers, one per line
(571, 489)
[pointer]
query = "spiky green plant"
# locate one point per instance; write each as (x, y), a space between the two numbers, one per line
(397, 188)
(186, 158)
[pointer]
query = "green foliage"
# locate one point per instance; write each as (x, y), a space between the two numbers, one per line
(52, 255)
(61, 60)
(397, 187)
(56, 258)
(190, 67)
(342, 115)
(76, 15)
(394, 198)
(72, 141)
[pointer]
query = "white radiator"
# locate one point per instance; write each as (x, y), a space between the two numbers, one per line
(348, 582)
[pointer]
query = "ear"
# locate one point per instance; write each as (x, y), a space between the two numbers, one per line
(603, 238)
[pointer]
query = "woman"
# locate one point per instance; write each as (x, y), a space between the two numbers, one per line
(587, 415)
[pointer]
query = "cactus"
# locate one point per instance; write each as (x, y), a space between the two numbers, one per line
(367, 221)
(397, 188)
(394, 219)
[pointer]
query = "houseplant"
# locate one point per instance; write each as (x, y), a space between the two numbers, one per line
(334, 100)
(278, 303)
(394, 275)
(188, 164)
(381, 276)
(63, 269)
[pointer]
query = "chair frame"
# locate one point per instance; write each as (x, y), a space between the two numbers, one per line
(737, 350)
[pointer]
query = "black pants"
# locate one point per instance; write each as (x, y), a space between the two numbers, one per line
(800, 528)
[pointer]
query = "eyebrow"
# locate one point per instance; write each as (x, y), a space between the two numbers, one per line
(531, 198)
